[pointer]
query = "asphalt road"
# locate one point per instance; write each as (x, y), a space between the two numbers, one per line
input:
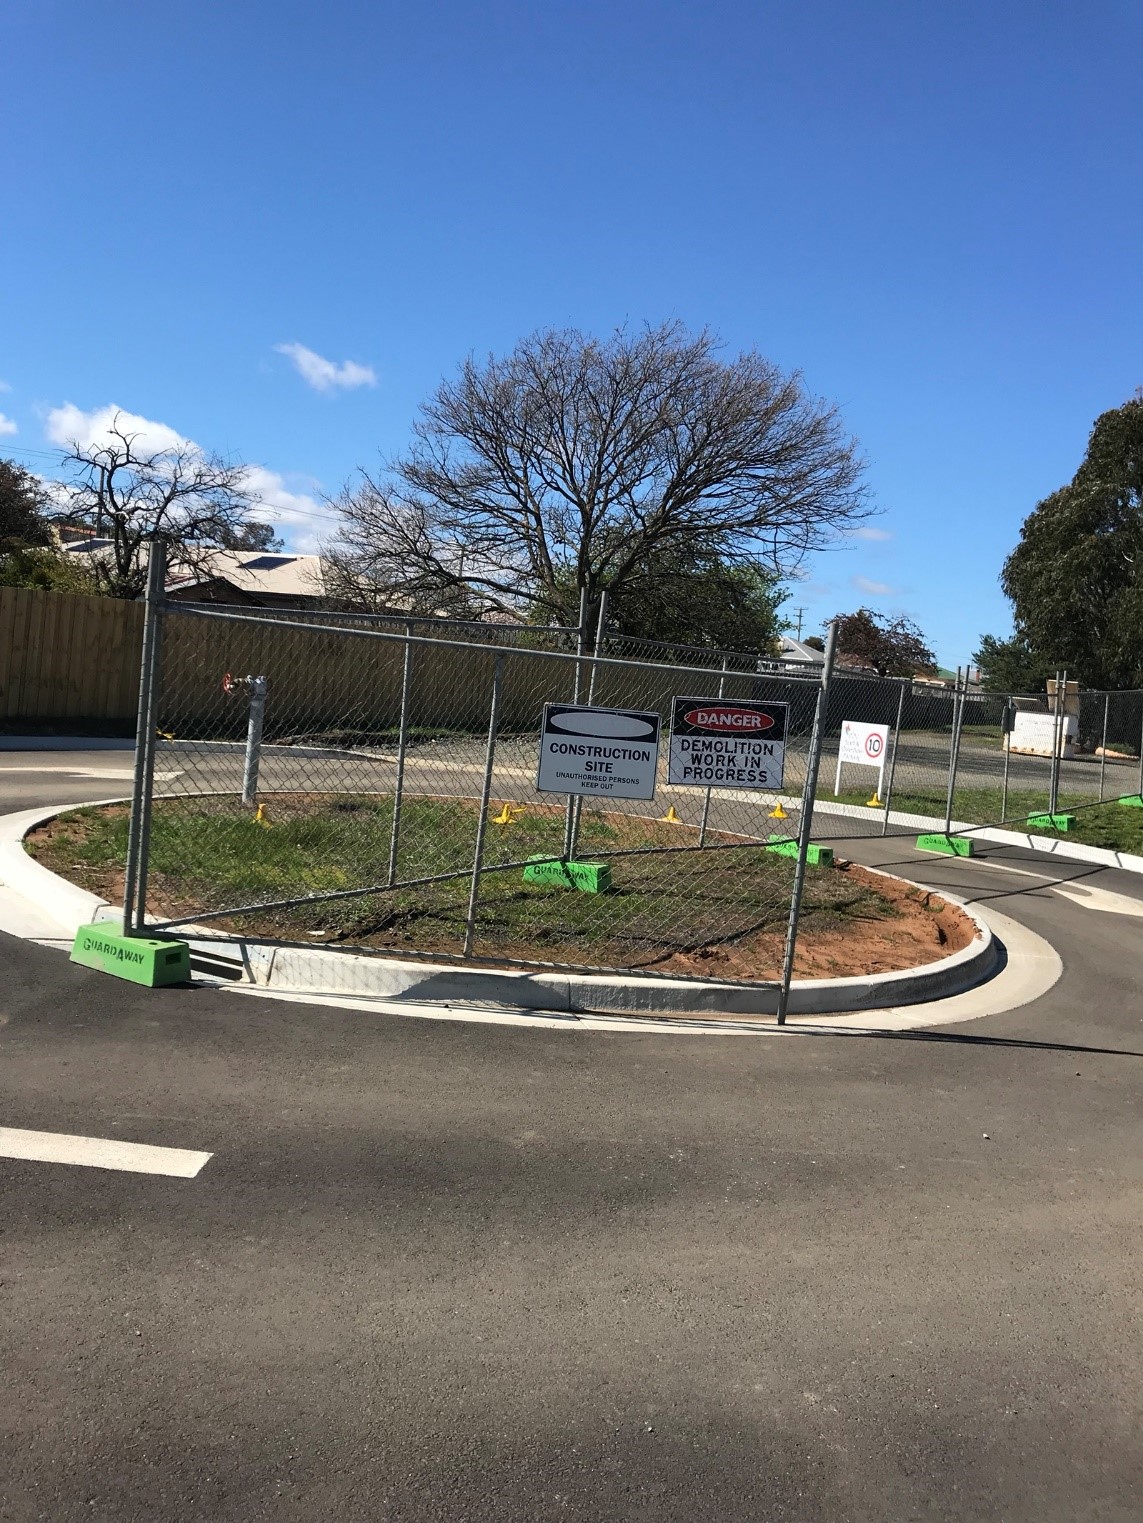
(32, 778)
(443, 1271)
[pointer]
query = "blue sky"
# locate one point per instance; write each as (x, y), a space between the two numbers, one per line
(932, 210)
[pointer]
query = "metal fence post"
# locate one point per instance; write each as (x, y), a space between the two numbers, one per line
(1057, 736)
(600, 638)
(580, 647)
(1140, 788)
(706, 800)
(146, 727)
(1006, 743)
(252, 760)
(402, 746)
(817, 739)
(893, 757)
(954, 749)
(1103, 745)
(485, 795)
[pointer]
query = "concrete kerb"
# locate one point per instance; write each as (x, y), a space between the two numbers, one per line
(275, 966)
(1071, 851)
(68, 905)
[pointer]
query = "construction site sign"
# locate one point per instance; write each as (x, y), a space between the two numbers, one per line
(613, 753)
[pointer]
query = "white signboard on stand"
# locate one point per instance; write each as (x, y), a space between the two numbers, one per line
(862, 745)
(612, 753)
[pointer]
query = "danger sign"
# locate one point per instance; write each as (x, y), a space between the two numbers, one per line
(724, 743)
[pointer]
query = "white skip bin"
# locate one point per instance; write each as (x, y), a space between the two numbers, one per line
(1034, 734)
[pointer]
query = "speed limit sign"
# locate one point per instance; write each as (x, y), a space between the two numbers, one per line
(862, 745)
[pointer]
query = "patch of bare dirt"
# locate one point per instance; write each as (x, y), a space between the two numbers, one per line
(921, 928)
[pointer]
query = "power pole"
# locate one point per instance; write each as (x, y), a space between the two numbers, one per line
(800, 613)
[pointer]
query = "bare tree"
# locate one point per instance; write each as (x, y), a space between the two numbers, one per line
(575, 464)
(130, 493)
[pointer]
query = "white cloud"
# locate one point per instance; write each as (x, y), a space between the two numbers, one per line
(327, 375)
(298, 515)
(8, 426)
(69, 425)
(4, 386)
(875, 589)
(869, 532)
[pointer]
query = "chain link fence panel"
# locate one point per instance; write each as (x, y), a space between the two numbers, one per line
(376, 793)
(371, 780)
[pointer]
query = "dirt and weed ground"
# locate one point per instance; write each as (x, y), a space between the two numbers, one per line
(716, 912)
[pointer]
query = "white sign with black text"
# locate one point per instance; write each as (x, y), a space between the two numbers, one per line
(728, 743)
(862, 745)
(610, 752)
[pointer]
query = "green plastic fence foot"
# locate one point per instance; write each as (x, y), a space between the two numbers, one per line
(588, 877)
(1051, 821)
(950, 846)
(139, 959)
(816, 856)
(1132, 801)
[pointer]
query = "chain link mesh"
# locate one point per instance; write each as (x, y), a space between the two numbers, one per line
(1002, 776)
(328, 848)
(362, 824)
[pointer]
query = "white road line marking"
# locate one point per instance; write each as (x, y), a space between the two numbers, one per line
(115, 774)
(1086, 895)
(100, 1153)
(1104, 899)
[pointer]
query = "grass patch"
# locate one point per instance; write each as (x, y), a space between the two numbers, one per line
(1109, 824)
(210, 854)
(979, 806)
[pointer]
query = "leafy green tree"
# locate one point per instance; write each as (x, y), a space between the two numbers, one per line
(1076, 577)
(23, 500)
(1010, 666)
(702, 600)
(892, 647)
(46, 567)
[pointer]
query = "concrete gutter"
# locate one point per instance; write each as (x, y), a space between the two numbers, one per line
(321, 971)
(61, 902)
(275, 966)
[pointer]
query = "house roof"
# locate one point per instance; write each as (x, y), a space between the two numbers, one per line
(255, 572)
(798, 650)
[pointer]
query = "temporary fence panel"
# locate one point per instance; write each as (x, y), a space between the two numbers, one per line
(397, 806)
(359, 780)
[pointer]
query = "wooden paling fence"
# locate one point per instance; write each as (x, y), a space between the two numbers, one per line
(66, 656)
